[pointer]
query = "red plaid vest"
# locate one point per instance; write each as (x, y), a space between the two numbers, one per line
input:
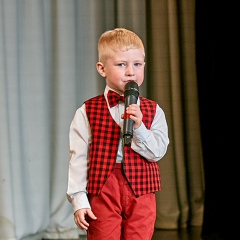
(143, 176)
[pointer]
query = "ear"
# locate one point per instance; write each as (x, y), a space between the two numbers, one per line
(100, 69)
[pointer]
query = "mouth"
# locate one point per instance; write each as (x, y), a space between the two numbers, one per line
(130, 81)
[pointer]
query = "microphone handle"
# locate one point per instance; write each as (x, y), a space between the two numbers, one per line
(127, 136)
(128, 122)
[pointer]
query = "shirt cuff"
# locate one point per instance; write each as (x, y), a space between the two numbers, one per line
(79, 201)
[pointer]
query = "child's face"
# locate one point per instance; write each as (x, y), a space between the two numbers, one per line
(122, 67)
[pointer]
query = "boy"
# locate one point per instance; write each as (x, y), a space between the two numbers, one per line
(112, 186)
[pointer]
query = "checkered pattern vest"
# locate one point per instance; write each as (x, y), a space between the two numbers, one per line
(143, 176)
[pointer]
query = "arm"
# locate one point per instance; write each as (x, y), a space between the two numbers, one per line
(79, 138)
(150, 143)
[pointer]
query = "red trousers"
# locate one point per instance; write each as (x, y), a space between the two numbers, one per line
(120, 215)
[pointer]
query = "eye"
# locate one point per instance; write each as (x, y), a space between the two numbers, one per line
(121, 64)
(138, 64)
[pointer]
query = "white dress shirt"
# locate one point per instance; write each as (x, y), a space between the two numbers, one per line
(151, 144)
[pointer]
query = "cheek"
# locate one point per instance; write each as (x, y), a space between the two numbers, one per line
(140, 77)
(114, 76)
(140, 74)
(116, 73)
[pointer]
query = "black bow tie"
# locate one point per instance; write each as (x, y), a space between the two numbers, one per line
(114, 98)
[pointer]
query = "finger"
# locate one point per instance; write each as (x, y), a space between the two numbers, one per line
(91, 215)
(81, 223)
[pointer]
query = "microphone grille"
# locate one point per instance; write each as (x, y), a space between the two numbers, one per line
(131, 85)
(131, 88)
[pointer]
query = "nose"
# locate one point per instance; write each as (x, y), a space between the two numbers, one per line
(129, 71)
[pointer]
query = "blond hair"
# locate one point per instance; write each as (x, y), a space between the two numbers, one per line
(117, 39)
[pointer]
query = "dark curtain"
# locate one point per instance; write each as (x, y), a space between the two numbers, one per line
(215, 76)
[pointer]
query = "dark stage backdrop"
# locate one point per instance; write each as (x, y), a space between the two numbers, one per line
(214, 48)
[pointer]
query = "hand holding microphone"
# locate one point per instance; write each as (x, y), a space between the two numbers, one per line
(131, 96)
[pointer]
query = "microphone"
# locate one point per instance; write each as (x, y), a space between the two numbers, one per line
(131, 94)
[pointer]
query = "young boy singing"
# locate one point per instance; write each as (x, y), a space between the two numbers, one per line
(112, 185)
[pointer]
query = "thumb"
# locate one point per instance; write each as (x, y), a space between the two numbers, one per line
(91, 214)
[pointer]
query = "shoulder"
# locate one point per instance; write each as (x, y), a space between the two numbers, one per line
(147, 101)
(95, 99)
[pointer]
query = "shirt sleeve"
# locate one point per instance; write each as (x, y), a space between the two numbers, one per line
(79, 138)
(152, 143)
